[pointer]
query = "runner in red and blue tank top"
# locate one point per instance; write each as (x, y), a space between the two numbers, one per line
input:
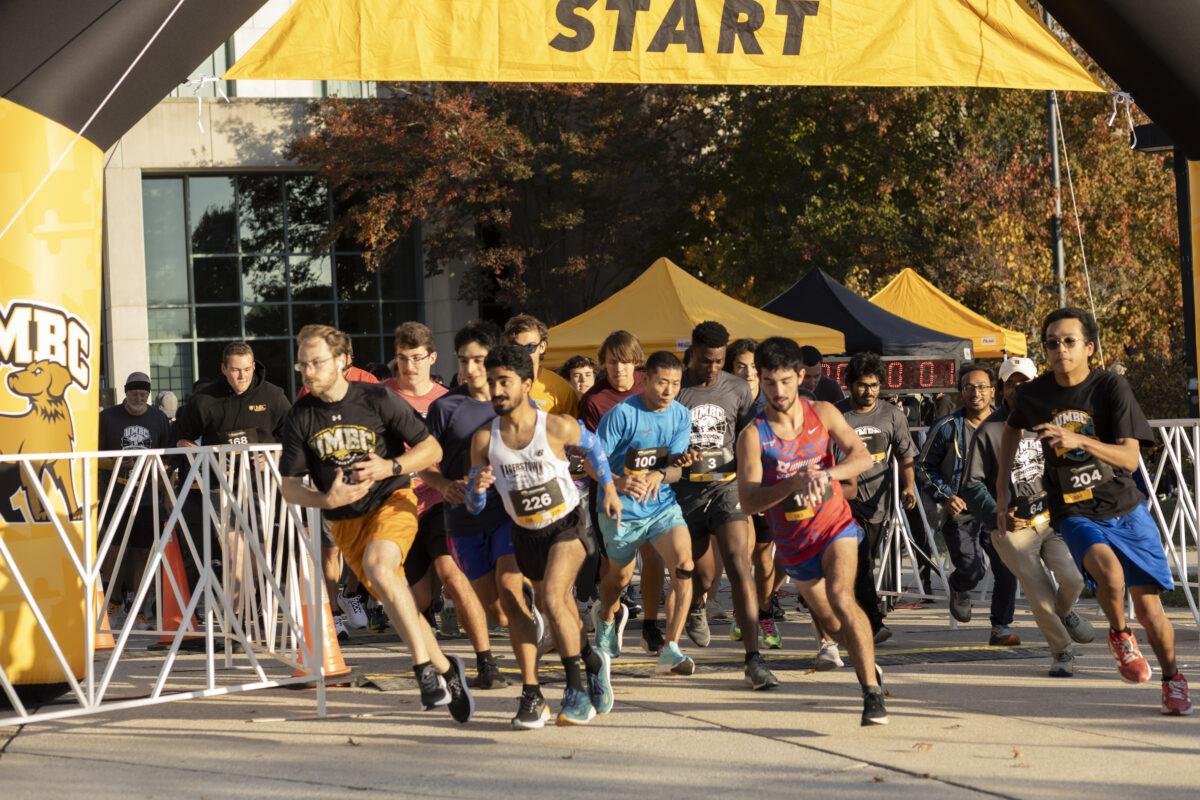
(786, 471)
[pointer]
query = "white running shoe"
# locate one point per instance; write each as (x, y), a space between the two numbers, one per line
(354, 609)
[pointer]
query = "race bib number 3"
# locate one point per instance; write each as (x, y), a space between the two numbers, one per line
(639, 461)
(538, 505)
(1077, 483)
(714, 465)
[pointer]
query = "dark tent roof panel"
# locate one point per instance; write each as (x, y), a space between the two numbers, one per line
(819, 299)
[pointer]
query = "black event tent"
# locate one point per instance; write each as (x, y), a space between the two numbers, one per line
(819, 299)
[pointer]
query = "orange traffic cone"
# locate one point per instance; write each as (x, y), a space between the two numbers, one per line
(172, 610)
(335, 666)
(104, 638)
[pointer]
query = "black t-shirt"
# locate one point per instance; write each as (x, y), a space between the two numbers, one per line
(319, 438)
(1102, 407)
(719, 413)
(120, 430)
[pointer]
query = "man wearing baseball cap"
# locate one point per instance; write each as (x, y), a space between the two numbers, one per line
(1029, 546)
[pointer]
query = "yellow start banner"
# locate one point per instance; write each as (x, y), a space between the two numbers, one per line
(994, 43)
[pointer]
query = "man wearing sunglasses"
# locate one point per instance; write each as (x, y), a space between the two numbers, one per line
(1091, 427)
(550, 393)
(940, 469)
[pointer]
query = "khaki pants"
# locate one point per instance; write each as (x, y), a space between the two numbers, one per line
(1029, 552)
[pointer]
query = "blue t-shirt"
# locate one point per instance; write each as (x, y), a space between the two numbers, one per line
(636, 439)
(452, 420)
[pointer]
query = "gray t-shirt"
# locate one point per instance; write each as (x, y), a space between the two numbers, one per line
(719, 412)
(884, 430)
(1027, 490)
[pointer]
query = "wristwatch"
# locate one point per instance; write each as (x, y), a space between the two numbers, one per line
(396, 471)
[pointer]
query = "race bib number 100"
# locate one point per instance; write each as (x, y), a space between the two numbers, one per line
(538, 505)
(639, 461)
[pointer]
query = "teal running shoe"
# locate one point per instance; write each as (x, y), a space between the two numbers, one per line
(673, 662)
(600, 685)
(576, 709)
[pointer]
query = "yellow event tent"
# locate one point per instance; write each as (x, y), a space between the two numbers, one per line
(661, 307)
(917, 300)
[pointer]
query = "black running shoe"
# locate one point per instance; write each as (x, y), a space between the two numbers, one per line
(757, 674)
(377, 619)
(653, 640)
(873, 711)
(633, 605)
(531, 714)
(434, 691)
(489, 675)
(462, 704)
(775, 608)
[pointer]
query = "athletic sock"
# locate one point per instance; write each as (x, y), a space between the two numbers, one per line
(591, 659)
(647, 624)
(574, 668)
(751, 655)
(764, 613)
(531, 689)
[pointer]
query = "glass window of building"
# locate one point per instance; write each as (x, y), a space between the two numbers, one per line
(234, 258)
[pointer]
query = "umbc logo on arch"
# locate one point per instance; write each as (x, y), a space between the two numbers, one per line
(45, 351)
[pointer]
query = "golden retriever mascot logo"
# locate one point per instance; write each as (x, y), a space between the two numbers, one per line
(46, 352)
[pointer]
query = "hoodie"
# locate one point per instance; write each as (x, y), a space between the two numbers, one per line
(217, 416)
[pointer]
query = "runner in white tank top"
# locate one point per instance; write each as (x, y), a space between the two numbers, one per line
(521, 452)
(534, 482)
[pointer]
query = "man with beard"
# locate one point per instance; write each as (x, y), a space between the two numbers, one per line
(522, 454)
(350, 439)
(785, 468)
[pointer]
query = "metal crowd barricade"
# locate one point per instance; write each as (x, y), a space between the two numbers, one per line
(257, 559)
(1173, 488)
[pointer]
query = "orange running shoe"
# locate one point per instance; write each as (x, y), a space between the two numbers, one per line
(1175, 697)
(1130, 662)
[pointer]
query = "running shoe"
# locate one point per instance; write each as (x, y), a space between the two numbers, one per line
(883, 634)
(539, 624)
(713, 610)
(1001, 636)
(777, 612)
(960, 605)
(828, 657)
(546, 644)
(117, 613)
(462, 704)
(354, 609)
(585, 614)
(599, 685)
(632, 607)
(673, 662)
(653, 640)
(757, 674)
(434, 691)
(448, 627)
(770, 634)
(377, 618)
(696, 627)
(1130, 663)
(1062, 665)
(488, 675)
(735, 632)
(873, 711)
(577, 708)
(1175, 700)
(608, 634)
(532, 713)
(1080, 629)
(339, 627)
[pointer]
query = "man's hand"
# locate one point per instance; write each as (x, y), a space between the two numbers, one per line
(654, 480)
(633, 485)
(483, 480)
(908, 499)
(612, 503)
(455, 492)
(955, 505)
(372, 468)
(1059, 437)
(343, 494)
(685, 460)
(810, 484)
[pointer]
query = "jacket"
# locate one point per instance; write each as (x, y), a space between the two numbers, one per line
(217, 416)
(939, 467)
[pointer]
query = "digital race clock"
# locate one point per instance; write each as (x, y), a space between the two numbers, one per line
(904, 374)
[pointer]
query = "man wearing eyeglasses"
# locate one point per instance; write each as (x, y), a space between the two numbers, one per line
(416, 353)
(940, 469)
(550, 393)
(359, 444)
(1091, 428)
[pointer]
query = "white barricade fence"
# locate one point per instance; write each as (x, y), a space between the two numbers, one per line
(1173, 488)
(219, 518)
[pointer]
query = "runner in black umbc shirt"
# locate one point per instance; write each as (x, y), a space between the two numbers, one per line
(349, 438)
